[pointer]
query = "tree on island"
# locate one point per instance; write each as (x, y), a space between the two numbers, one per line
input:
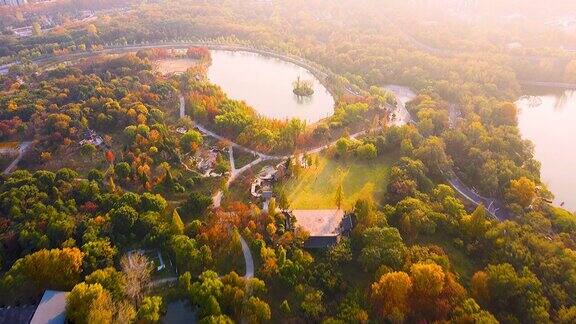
(302, 88)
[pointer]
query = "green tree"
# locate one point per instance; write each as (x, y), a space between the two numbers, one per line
(88, 150)
(196, 204)
(123, 220)
(176, 223)
(470, 312)
(509, 294)
(111, 280)
(186, 253)
(256, 310)
(123, 170)
(382, 246)
(98, 254)
(87, 303)
(367, 151)
(283, 201)
(312, 305)
(191, 141)
(433, 153)
(151, 309)
(216, 319)
(285, 307)
(153, 202)
(339, 196)
(206, 292)
(341, 252)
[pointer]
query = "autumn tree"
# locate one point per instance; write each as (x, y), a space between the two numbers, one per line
(522, 191)
(256, 310)
(427, 285)
(91, 30)
(90, 304)
(57, 269)
(391, 296)
(137, 270)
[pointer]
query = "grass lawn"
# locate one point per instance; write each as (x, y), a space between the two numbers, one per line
(316, 186)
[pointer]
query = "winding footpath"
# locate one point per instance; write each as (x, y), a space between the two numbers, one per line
(217, 198)
(23, 148)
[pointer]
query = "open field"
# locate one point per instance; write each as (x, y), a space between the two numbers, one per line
(174, 65)
(316, 186)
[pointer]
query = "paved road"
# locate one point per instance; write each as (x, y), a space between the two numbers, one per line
(24, 146)
(205, 131)
(403, 96)
(248, 258)
(217, 198)
(557, 85)
(494, 207)
(232, 161)
(182, 106)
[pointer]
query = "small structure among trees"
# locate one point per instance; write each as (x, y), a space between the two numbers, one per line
(325, 226)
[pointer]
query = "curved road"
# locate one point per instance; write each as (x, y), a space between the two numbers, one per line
(494, 207)
(247, 258)
(403, 114)
(217, 198)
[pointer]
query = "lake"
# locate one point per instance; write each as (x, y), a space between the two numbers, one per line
(265, 83)
(548, 119)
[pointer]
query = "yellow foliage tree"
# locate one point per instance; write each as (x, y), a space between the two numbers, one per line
(390, 296)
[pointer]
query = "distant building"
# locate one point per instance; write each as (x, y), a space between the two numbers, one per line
(52, 308)
(91, 137)
(13, 2)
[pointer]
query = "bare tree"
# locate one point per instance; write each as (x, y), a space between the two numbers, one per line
(137, 270)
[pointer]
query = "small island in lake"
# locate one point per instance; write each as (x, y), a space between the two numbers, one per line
(303, 88)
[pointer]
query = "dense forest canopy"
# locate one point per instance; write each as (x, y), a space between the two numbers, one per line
(114, 167)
